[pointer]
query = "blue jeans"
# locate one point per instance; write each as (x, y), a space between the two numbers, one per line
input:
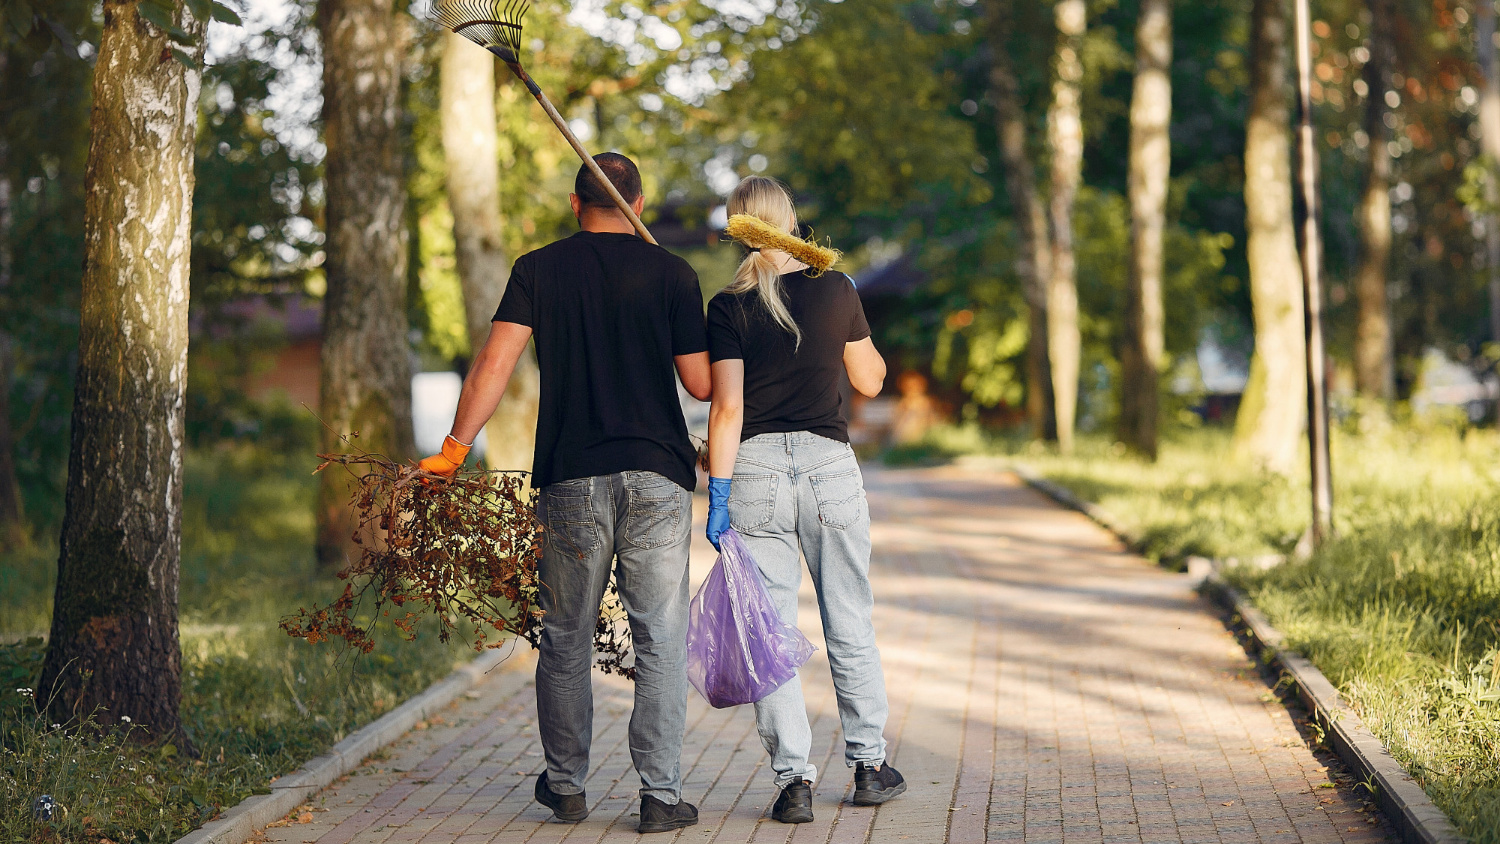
(638, 523)
(802, 492)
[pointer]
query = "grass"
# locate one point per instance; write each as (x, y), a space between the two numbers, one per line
(1401, 610)
(256, 703)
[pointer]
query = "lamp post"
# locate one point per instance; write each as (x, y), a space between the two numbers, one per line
(1312, 292)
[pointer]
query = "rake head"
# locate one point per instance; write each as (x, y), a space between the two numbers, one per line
(492, 24)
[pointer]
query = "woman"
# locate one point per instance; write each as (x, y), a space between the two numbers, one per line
(780, 337)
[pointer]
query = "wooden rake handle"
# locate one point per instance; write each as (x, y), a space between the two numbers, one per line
(588, 160)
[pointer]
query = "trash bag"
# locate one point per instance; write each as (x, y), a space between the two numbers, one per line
(738, 648)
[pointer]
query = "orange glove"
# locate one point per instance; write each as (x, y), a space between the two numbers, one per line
(449, 461)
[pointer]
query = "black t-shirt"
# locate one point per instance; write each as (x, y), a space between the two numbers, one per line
(609, 311)
(789, 388)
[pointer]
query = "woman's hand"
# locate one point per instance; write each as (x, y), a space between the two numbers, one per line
(718, 509)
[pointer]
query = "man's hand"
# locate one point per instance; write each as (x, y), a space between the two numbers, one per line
(450, 460)
(718, 509)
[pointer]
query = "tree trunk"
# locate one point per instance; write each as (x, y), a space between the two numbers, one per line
(1270, 422)
(366, 365)
(1150, 169)
(114, 650)
(1374, 366)
(471, 145)
(1065, 137)
(1489, 139)
(1034, 261)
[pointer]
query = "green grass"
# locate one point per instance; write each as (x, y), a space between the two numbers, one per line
(1401, 610)
(256, 703)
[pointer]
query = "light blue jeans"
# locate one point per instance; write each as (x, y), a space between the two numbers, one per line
(802, 492)
(639, 524)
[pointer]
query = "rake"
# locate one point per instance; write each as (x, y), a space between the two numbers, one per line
(496, 26)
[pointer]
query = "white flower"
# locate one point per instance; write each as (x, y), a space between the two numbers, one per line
(125, 718)
(150, 780)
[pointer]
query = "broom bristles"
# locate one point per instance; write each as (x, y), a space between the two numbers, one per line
(488, 23)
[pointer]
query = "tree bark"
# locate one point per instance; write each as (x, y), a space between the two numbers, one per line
(1489, 140)
(1150, 169)
(1034, 260)
(1065, 137)
(1374, 365)
(114, 650)
(471, 146)
(1270, 421)
(366, 365)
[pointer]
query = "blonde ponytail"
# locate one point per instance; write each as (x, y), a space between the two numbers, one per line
(770, 202)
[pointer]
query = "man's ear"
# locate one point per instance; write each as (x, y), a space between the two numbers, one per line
(577, 203)
(638, 205)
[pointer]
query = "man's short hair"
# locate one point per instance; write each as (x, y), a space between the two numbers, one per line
(621, 171)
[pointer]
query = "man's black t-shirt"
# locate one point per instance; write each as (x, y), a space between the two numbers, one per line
(788, 388)
(609, 311)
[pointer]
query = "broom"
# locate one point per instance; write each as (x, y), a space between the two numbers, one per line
(496, 26)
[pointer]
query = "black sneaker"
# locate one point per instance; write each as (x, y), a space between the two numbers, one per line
(875, 784)
(565, 807)
(657, 816)
(794, 803)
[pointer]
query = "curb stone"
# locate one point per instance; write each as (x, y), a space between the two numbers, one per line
(1402, 800)
(239, 823)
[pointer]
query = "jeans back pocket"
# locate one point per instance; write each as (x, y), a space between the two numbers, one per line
(569, 517)
(654, 511)
(752, 501)
(841, 498)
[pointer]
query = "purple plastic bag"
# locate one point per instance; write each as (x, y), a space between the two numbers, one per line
(738, 648)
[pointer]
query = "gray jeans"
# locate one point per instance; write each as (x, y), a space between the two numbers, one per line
(804, 492)
(639, 523)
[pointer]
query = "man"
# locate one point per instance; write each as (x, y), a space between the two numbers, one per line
(613, 318)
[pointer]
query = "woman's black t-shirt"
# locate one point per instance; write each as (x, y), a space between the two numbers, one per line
(789, 388)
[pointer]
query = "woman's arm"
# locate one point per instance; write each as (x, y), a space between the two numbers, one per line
(865, 366)
(726, 417)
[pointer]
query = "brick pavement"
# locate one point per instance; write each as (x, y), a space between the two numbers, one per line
(1045, 687)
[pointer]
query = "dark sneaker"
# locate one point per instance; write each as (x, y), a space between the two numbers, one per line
(794, 803)
(875, 784)
(657, 816)
(565, 807)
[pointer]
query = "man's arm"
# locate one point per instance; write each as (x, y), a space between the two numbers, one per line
(694, 371)
(489, 375)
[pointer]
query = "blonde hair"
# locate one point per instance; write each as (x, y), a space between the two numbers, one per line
(767, 218)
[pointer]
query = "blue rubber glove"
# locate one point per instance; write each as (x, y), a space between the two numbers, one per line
(718, 509)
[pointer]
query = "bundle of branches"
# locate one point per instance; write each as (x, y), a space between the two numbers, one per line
(462, 549)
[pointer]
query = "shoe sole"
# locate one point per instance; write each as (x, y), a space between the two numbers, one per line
(875, 798)
(668, 826)
(805, 816)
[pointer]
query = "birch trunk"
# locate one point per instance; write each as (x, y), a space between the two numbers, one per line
(471, 146)
(1272, 412)
(1150, 169)
(1065, 137)
(1034, 260)
(366, 366)
(1374, 366)
(114, 649)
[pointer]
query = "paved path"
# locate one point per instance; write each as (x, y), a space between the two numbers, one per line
(1045, 687)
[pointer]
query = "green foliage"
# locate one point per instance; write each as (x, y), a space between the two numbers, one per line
(255, 703)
